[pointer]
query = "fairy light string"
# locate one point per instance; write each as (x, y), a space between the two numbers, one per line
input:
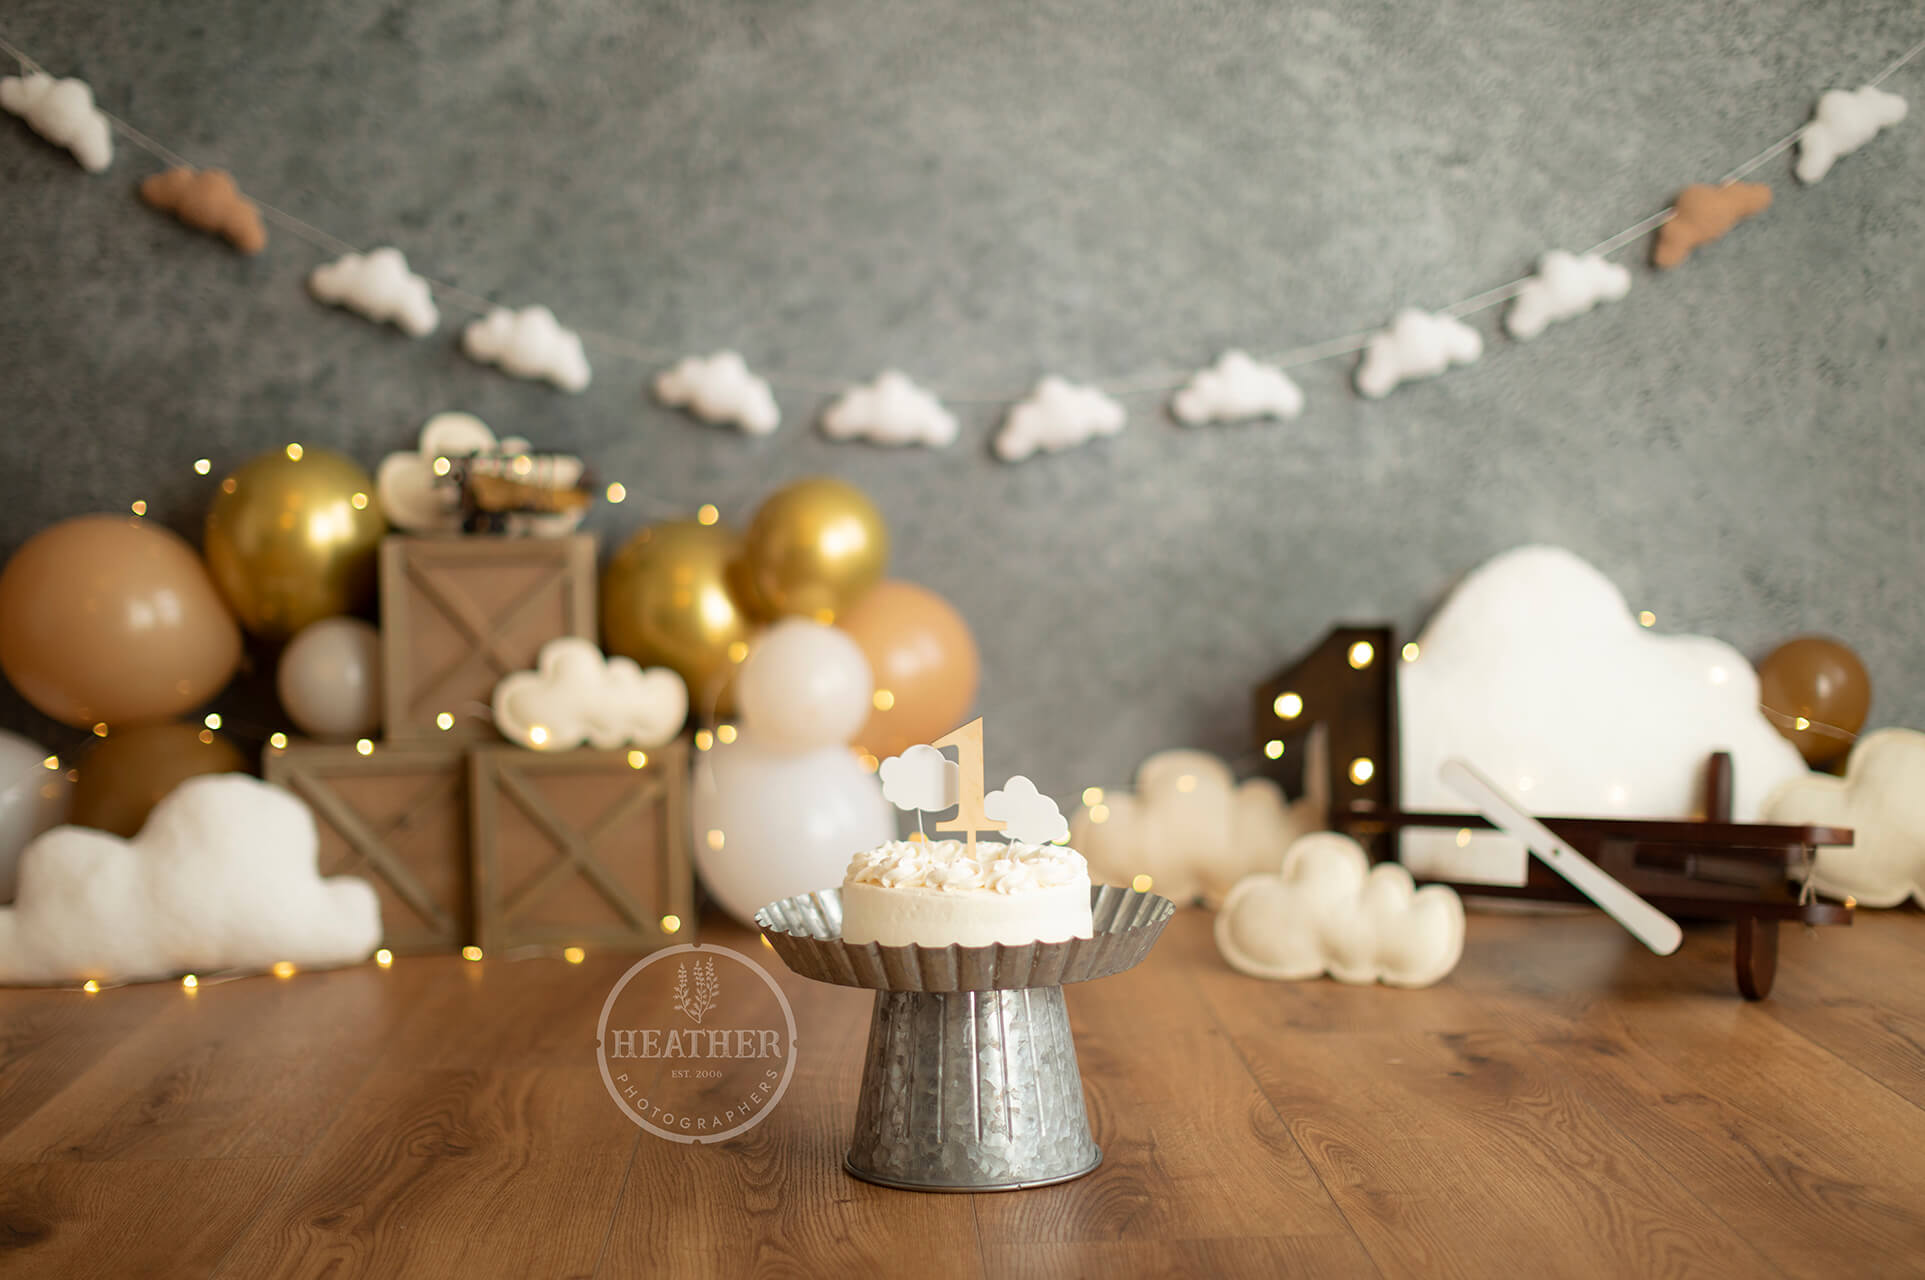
(1161, 381)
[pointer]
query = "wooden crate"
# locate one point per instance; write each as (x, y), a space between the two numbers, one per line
(581, 848)
(459, 613)
(399, 819)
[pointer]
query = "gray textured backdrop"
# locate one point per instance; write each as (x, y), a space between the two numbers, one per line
(982, 192)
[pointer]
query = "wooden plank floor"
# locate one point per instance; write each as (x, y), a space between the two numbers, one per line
(1564, 1105)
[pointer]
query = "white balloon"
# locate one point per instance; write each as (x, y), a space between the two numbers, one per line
(804, 686)
(330, 679)
(33, 798)
(769, 824)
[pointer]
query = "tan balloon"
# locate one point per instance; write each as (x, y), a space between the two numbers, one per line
(291, 539)
(666, 602)
(1820, 681)
(130, 771)
(114, 619)
(814, 547)
(925, 663)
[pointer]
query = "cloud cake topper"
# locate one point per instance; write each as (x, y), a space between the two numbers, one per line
(1329, 911)
(575, 695)
(529, 343)
(1703, 213)
(1026, 813)
(207, 200)
(62, 112)
(1536, 671)
(1236, 389)
(378, 286)
(892, 410)
(720, 389)
(405, 482)
(1881, 797)
(921, 778)
(1417, 344)
(222, 876)
(1057, 415)
(1845, 120)
(1564, 287)
(1193, 828)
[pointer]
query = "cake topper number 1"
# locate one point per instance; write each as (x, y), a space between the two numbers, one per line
(970, 817)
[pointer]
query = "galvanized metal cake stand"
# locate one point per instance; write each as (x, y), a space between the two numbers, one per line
(971, 1081)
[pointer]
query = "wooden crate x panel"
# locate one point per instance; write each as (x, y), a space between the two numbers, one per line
(581, 848)
(459, 613)
(399, 819)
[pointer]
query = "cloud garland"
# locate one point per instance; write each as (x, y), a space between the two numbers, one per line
(720, 389)
(1057, 414)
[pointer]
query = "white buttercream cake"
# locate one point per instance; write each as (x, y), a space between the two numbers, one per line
(934, 894)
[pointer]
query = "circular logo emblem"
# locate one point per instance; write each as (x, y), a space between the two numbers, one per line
(696, 1043)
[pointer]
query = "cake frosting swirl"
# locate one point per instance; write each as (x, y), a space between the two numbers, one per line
(935, 894)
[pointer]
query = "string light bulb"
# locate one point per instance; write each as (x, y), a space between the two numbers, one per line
(190, 982)
(637, 759)
(617, 492)
(1288, 706)
(472, 954)
(202, 466)
(738, 650)
(1142, 883)
(1092, 796)
(100, 729)
(278, 741)
(91, 987)
(384, 957)
(294, 452)
(1411, 651)
(671, 924)
(868, 762)
(1273, 749)
(283, 968)
(1647, 619)
(725, 733)
(707, 514)
(574, 955)
(442, 466)
(704, 739)
(206, 736)
(140, 506)
(364, 746)
(1362, 654)
(1463, 837)
(883, 699)
(1099, 814)
(1362, 770)
(50, 763)
(444, 721)
(359, 502)
(1801, 724)
(538, 734)
(212, 720)
(715, 838)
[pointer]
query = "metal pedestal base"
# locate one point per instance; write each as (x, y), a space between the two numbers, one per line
(971, 1091)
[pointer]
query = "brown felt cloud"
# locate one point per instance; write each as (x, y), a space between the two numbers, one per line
(1703, 213)
(208, 200)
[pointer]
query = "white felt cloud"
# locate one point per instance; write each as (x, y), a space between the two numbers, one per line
(574, 695)
(1192, 828)
(1057, 415)
(1329, 911)
(223, 876)
(1418, 344)
(378, 285)
(1026, 813)
(405, 483)
(1846, 119)
(720, 389)
(1565, 286)
(1536, 671)
(891, 410)
(1882, 799)
(921, 778)
(529, 343)
(1234, 389)
(62, 112)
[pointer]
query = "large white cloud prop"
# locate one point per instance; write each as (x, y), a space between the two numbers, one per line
(1027, 814)
(1846, 119)
(378, 285)
(1537, 673)
(405, 482)
(1418, 344)
(892, 410)
(223, 876)
(529, 343)
(575, 695)
(1057, 415)
(1329, 911)
(720, 389)
(1565, 286)
(1192, 827)
(1882, 799)
(62, 112)
(1235, 389)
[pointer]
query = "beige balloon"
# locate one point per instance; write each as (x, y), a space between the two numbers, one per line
(330, 679)
(113, 619)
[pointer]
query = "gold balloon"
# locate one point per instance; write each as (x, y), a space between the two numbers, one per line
(130, 771)
(291, 539)
(814, 548)
(666, 602)
(114, 619)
